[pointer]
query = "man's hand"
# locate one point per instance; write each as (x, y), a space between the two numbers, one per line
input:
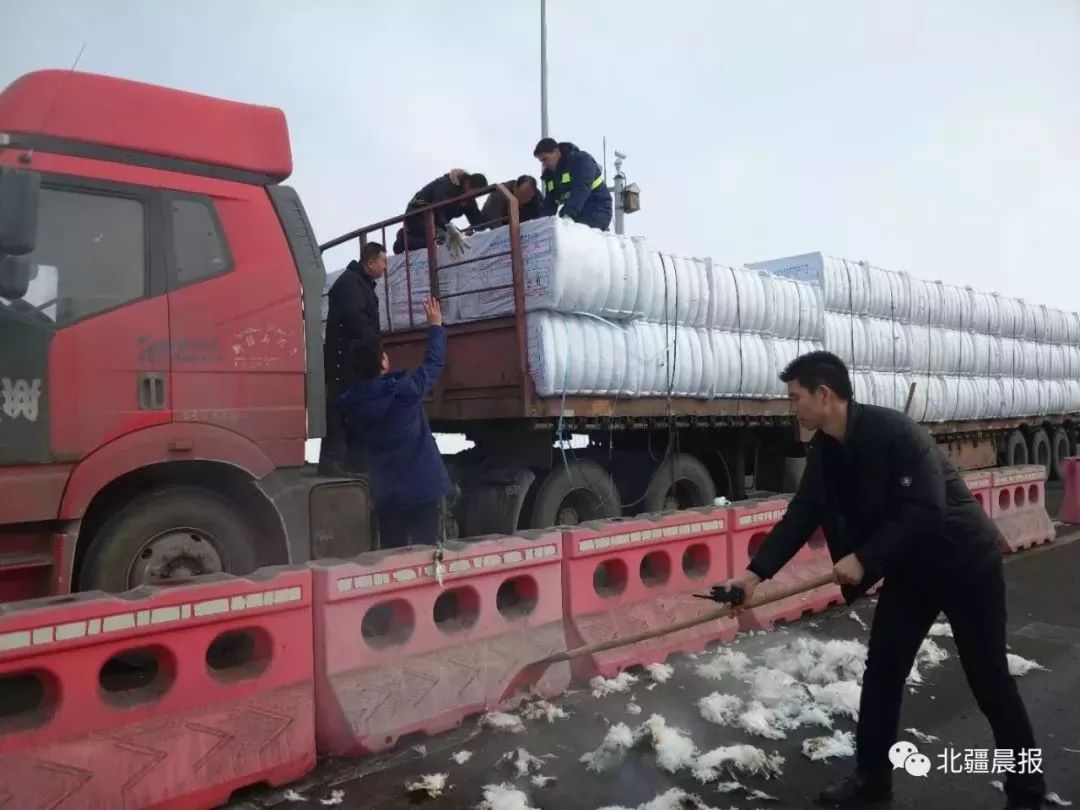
(748, 581)
(849, 571)
(433, 310)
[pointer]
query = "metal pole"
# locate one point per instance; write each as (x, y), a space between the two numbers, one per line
(543, 70)
(620, 184)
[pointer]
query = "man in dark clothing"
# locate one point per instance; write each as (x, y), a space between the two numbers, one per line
(892, 506)
(452, 184)
(573, 180)
(352, 319)
(496, 211)
(384, 412)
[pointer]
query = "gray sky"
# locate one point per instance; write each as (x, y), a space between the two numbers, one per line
(941, 138)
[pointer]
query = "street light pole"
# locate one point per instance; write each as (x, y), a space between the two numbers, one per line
(543, 70)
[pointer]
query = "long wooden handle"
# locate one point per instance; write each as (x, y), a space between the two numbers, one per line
(720, 613)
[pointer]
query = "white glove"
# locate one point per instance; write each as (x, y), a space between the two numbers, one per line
(456, 241)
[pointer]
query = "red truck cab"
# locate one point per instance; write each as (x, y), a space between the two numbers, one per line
(160, 345)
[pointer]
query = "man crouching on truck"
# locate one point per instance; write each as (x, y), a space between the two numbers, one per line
(892, 506)
(384, 413)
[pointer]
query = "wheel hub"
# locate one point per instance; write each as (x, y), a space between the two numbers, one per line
(568, 516)
(176, 554)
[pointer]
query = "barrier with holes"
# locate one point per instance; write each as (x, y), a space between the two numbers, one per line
(160, 698)
(750, 523)
(1018, 497)
(627, 575)
(979, 482)
(1070, 504)
(397, 653)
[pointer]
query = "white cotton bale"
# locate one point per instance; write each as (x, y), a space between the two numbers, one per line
(847, 286)
(862, 387)
(1053, 397)
(753, 300)
(1033, 404)
(981, 307)
(1032, 358)
(899, 297)
(649, 301)
(1072, 325)
(1072, 396)
(616, 292)
(586, 352)
(1072, 362)
(707, 389)
(545, 353)
(631, 279)
(925, 301)
(1012, 317)
(1057, 329)
(668, 292)
(796, 309)
(784, 351)
(1053, 361)
(878, 292)
(682, 293)
(890, 389)
(699, 315)
(617, 337)
(654, 358)
(967, 359)
(634, 365)
(845, 336)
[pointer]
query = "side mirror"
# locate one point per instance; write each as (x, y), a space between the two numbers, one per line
(16, 273)
(19, 193)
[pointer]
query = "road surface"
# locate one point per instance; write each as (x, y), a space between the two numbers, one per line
(1044, 626)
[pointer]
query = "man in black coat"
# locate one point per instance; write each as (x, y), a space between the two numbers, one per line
(496, 211)
(892, 506)
(573, 180)
(452, 184)
(352, 320)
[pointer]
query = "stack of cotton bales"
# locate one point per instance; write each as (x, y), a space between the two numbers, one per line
(971, 355)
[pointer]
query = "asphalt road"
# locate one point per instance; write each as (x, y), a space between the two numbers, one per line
(1044, 626)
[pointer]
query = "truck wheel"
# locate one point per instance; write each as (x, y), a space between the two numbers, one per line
(175, 533)
(680, 482)
(567, 497)
(1016, 450)
(1040, 451)
(1059, 451)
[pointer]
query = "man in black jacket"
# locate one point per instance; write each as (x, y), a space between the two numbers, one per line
(352, 320)
(496, 211)
(893, 507)
(452, 184)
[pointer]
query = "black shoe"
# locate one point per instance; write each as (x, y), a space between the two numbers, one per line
(857, 790)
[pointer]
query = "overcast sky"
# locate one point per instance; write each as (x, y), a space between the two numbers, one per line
(941, 138)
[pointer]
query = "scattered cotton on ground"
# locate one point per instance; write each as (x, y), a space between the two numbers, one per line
(542, 781)
(858, 619)
(504, 797)
(336, 797)
(661, 673)
(674, 749)
(633, 708)
(524, 762)
(726, 662)
(501, 721)
(729, 759)
(544, 710)
(941, 629)
(1019, 667)
(720, 709)
(433, 784)
(841, 697)
(293, 796)
(461, 757)
(617, 742)
(820, 749)
(922, 736)
(602, 687)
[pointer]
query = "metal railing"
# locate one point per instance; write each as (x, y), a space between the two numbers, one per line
(513, 220)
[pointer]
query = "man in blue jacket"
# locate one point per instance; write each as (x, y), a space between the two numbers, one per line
(384, 413)
(573, 180)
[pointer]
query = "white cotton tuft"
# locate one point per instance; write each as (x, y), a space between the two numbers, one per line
(1018, 667)
(501, 721)
(633, 708)
(746, 759)
(772, 686)
(293, 796)
(602, 687)
(544, 710)
(726, 662)
(820, 749)
(931, 653)
(617, 742)
(524, 762)
(720, 709)
(817, 661)
(922, 736)
(1054, 799)
(841, 697)
(504, 797)
(674, 749)
(433, 784)
(541, 781)
(661, 673)
(855, 617)
(763, 722)
(335, 798)
(941, 629)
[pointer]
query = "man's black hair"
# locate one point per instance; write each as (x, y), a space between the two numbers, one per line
(545, 146)
(370, 251)
(816, 369)
(477, 180)
(527, 178)
(366, 358)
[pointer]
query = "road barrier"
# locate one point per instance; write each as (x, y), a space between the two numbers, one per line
(160, 698)
(980, 483)
(629, 575)
(1070, 505)
(750, 523)
(398, 653)
(1018, 498)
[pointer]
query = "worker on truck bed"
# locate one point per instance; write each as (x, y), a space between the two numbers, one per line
(891, 505)
(452, 184)
(384, 413)
(573, 180)
(352, 319)
(496, 210)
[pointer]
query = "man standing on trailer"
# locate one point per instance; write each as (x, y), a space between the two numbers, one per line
(891, 505)
(573, 180)
(352, 320)
(384, 414)
(452, 184)
(496, 210)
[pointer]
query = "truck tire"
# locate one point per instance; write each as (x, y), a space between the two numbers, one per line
(679, 482)
(173, 533)
(1059, 451)
(574, 493)
(1016, 450)
(1039, 451)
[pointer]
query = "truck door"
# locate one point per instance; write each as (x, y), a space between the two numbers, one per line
(84, 355)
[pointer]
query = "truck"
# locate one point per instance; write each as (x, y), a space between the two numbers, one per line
(161, 365)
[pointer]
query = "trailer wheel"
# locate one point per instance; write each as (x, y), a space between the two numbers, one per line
(680, 482)
(175, 533)
(574, 493)
(1016, 450)
(1039, 451)
(1059, 451)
